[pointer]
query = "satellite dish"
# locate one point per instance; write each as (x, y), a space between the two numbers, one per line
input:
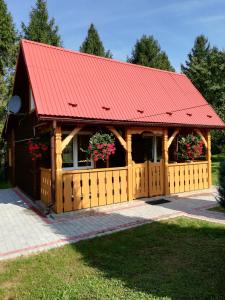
(14, 105)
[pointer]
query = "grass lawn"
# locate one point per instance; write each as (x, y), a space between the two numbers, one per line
(175, 259)
(4, 184)
(216, 160)
(218, 209)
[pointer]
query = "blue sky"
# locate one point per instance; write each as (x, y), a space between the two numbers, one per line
(174, 23)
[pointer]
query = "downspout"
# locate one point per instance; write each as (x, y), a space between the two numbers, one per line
(53, 169)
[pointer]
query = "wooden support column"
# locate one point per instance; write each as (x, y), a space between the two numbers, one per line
(58, 166)
(129, 162)
(166, 158)
(209, 159)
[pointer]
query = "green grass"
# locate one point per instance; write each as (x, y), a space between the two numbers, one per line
(176, 259)
(218, 209)
(216, 160)
(4, 184)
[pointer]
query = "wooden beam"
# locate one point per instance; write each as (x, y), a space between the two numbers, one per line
(172, 137)
(209, 159)
(129, 163)
(198, 131)
(71, 135)
(166, 159)
(58, 170)
(119, 137)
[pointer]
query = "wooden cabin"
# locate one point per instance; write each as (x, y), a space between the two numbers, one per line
(68, 96)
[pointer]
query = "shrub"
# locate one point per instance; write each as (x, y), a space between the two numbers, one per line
(221, 190)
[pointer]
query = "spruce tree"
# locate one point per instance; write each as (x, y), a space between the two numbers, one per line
(8, 54)
(147, 52)
(8, 40)
(93, 44)
(40, 28)
(196, 66)
(205, 67)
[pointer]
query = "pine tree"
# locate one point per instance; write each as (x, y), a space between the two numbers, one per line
(8, 40)
(147, 52)
(196, 67)
(40, 28)
(93, 44)
(205, 67)
(8, 53)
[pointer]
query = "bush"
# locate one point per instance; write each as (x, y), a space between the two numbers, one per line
(221, 190)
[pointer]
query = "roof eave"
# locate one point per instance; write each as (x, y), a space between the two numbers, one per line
(65, 119)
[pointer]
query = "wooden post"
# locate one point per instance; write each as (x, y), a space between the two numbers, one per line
(209, 159)
(130, 195)
(166, 158)
(58, 166)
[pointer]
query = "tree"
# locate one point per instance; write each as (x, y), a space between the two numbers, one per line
(93, 44)
(196, 67)
(40, 28)
(147, 52)
(8, 50)
(8, 40)
(206, 68)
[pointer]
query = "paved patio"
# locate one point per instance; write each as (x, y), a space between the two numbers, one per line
(23, 230)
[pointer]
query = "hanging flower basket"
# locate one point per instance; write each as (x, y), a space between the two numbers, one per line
(37, 149)
(190, 147)
(101, 146)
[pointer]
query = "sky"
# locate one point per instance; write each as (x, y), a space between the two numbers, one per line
(174, 23)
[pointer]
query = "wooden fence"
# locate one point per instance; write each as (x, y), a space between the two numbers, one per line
(185, 177)
(92, 188)
(97, 187)
(46, 185)
(148, 179)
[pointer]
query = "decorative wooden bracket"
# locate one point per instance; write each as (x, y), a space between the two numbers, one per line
(198, 131)
(172, 137)
(119, 137)
(71, 135)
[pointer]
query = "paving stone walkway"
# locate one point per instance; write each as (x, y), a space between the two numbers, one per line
(23, 230)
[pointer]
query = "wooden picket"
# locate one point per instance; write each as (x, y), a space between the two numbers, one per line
(155, 179)
(140, 180)
(186, 177)
(93, 188)
(46, 185)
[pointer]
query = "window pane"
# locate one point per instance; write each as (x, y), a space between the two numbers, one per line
(67, 155)
(159, 147)
(82, 143)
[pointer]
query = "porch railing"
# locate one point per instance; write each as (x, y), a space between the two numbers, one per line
(46, 185)
(92, 188)
(97, 187)
(186, 177)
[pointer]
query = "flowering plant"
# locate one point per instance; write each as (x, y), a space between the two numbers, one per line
(190, 147)
(101, 146)
(36, 149)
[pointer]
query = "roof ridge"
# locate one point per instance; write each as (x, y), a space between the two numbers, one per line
(100, 57)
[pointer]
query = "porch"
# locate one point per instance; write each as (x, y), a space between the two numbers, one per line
(77, 189)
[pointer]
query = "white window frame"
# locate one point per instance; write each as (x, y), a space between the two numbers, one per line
(154, 147)
(75, 153)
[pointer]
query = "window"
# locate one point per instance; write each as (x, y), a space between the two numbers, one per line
(73, 157)
(31, 104)
(146, 147)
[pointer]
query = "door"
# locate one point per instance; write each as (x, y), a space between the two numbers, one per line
(148, 170)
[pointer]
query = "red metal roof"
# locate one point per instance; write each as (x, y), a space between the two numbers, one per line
(67, 83)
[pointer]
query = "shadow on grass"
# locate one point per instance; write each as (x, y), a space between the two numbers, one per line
(179, 260)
